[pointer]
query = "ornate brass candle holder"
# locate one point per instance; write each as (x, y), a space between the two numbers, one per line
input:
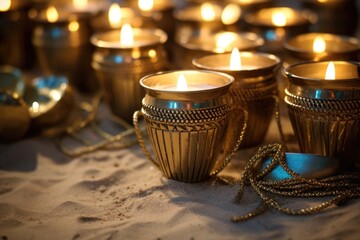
(186, 127)
(61, 41)
(325, 114)
(189, 47)
(15, 32)
(277, 24)
(322, 46)
(254, 89)
(119, 67)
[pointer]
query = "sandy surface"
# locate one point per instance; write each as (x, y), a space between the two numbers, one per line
(120, 195)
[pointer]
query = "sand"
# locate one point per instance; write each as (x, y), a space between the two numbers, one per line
(119, 194)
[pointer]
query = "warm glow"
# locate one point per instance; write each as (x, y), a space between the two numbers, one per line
(181, 83)
(230, 14)
(146, 5)
(52, 14)
(278, 19)
(5, 5)
(73, 26)
(330, 72)
(223, 40)
(235, 60)
(80, 4)
(35, 106)
(114, 15)
(319, 45)
(207, 12)
(126, 35)
(322, 1)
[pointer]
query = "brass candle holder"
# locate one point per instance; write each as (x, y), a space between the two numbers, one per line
(189, 47)
(119, 67)
(325, 114)
(277, 24)
(321, 47)
(61, 41)
(254, 89)
(15, 34)
(186, 128)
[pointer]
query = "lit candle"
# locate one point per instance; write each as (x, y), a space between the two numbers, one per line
(278, 24)
(183, 86)
(323, 100)
(121, 58)
(254, 89)
(322, 46)
(190, 47)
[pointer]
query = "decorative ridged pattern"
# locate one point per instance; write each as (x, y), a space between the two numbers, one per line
(260, 104)
(186, 142)
(327, 127)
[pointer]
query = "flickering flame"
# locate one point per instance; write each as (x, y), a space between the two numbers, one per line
(207, 11)
(35, 106)
(73, 26)
(80, 4)
(322, 1)
(230, 14)
(278, 19)
(146, 5)
(126, 35)
(181, 83)
(5, 5)
(223, 40)
(235, 60)
(319, 45)
(114, 15)
(330, 71)
(52, 14)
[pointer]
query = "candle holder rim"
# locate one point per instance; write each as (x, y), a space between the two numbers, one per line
(158, 33)
(307, 17)
(258, 41)
(276, 59)
(320, 81)
(349, 39)
(229, 77)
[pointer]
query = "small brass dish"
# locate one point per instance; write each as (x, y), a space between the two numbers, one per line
(50, 99)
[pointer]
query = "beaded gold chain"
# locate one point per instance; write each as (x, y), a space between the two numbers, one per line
(341, 187)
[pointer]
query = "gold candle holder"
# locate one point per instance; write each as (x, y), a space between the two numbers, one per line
(325, 114)
(61, 41)
(277, 24)
(189, 47)
(119, 66)
(254, 89)
(321, 47)
(15, 34)
(186, 127)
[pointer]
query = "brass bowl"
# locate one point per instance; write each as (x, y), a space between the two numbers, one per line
(14, 117)
(50, 99)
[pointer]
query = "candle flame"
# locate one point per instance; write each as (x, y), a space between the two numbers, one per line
(126, 35)
(114, 15)
(223, 40)
(80, 4)
(52, 14)
(230, 14)
(278, 19)
(146, 5)
(235, 60)
(181, 83)
(5, 5)
(35, 106)
(319, 45)
(73, 26)
(330, 72)
(207, 11)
